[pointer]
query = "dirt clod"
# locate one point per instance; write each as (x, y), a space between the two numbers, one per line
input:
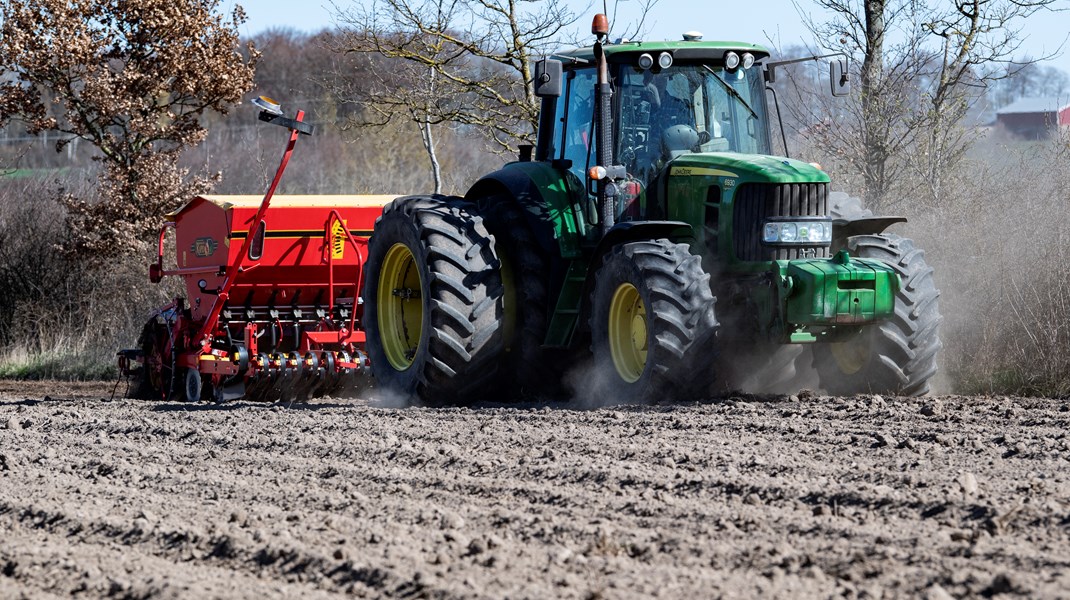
(937, 592)
(930, 409)
(885, 440)
(968, 483)
(1003, 583)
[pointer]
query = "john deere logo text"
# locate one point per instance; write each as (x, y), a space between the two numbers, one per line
(204, 247)
(338, 240)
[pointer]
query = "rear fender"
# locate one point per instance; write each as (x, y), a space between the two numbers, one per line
(551, 199)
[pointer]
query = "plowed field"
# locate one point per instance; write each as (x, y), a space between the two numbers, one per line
(738, 497)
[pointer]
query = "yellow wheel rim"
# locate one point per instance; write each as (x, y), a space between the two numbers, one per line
(628, 332)
(401, 309)
(851, 356)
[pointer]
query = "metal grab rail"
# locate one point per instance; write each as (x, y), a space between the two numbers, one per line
(156, 270)
(328, 251)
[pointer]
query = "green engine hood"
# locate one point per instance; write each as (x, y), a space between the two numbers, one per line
(747, 168)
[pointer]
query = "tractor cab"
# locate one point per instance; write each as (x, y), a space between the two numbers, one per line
(670, 99)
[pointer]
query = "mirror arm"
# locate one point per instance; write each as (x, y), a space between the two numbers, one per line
(771, 66)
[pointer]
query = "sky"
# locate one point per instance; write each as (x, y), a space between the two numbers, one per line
(774, 23)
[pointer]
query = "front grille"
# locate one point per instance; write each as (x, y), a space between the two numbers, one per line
(756, 202)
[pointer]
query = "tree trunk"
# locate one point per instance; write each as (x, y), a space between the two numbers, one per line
(428, 135)
(873, 132)
(429, 145)
(523, 64)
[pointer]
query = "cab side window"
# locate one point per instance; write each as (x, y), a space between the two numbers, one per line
(576, 120)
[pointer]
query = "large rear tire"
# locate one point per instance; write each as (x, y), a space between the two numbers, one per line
(433, 302)
(897, 356)
(653, 326)
(531, 369)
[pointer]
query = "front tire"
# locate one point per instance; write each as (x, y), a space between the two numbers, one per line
(652, 323)
(897, 356)
(433, 297)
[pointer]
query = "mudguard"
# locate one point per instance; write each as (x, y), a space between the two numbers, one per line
(844, 229)
(866, 225)
(627, 231)
(551, 198)
(850, 218)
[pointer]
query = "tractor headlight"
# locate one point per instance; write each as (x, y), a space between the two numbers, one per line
(797, 232)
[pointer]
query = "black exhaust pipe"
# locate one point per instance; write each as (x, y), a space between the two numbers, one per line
(603, 98)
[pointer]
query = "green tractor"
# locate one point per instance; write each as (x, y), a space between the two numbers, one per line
(652, 230)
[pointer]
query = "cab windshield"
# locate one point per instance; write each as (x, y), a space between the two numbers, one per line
(688, 108)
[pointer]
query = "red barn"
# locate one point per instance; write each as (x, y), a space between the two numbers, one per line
(1035, 118)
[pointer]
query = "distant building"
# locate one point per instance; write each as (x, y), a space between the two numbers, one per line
(1035, 118)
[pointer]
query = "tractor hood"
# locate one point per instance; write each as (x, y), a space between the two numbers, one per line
(747, 168)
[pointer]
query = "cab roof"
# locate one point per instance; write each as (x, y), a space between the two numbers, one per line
(681, 50)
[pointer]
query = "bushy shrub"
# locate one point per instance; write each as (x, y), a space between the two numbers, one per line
(62, 316)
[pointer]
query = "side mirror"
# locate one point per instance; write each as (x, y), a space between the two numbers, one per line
(548, 76)
(838, 77)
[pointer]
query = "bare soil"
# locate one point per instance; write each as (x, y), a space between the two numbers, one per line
(740, 497)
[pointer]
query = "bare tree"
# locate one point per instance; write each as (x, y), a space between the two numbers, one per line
(915, 92)
(132, 78)
(463, 63)
(634, 30)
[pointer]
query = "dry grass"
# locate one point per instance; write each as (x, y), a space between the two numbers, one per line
(62, 316)
(999, 241)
